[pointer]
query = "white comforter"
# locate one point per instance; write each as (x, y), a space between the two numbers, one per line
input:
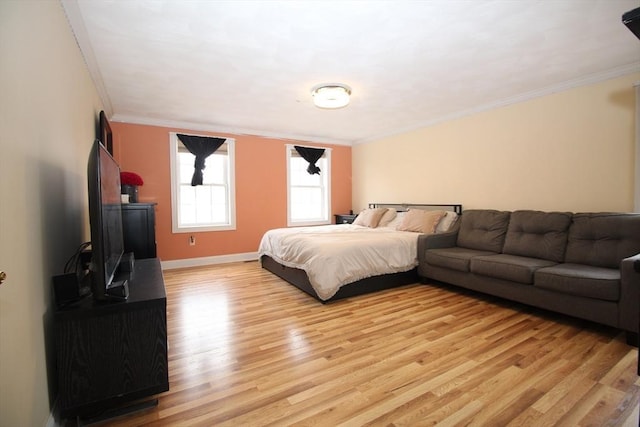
(334, 255)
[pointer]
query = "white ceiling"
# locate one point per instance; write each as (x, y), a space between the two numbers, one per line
(249, 66)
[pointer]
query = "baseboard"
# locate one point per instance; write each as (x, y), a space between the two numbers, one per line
(198, 262)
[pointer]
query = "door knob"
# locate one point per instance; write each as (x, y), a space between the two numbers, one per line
(3, 276)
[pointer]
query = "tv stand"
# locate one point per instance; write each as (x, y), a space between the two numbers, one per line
(112, 353)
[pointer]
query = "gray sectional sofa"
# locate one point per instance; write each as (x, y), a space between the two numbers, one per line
(577, 264)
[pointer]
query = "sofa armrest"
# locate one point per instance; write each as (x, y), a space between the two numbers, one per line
(435, 241)
(629, 294)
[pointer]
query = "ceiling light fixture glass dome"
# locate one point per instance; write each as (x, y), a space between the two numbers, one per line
(331, 95)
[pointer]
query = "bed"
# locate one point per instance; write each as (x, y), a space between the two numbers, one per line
(332, 262)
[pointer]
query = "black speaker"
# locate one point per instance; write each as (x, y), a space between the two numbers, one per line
(632, 20)
(66, 289)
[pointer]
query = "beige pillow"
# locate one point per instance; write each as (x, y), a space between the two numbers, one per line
(421, 221)
(369, 217)
(388, 216)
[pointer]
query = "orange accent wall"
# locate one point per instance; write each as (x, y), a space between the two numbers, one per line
(261, 187)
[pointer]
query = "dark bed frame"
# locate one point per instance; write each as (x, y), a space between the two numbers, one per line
(299, 278)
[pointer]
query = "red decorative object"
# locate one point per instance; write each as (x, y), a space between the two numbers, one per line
(130, 178)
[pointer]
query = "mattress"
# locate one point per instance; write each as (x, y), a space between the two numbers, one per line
(336, 255)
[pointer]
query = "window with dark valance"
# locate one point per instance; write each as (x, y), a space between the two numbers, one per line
(311, 155)
(201, 147)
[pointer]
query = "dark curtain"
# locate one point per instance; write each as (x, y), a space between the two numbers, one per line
(311, 155)
(201, 147)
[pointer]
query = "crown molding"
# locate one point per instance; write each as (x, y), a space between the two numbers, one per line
(212, 127)
(79, 31)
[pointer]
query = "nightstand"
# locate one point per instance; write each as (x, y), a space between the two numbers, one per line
(345, 218)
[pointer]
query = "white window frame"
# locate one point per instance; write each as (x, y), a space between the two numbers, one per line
(175, 194)
(326, 175)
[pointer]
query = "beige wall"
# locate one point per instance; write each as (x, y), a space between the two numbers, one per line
(48, 113)
(570, 151)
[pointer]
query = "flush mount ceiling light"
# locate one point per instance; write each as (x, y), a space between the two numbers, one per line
(331, 95)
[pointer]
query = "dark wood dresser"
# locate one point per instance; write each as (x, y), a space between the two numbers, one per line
(139, 229)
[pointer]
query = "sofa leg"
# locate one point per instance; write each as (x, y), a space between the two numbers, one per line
(632, 338)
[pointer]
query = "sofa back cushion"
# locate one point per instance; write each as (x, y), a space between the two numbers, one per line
(483, 229)
(538, 234)
(603, 239)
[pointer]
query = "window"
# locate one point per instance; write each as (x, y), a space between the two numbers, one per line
(308, 196)
(206, 207)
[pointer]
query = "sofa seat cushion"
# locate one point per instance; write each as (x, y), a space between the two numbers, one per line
(508, 267)
(455, 258)
(581, 280)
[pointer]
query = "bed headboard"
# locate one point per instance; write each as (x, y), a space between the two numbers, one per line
(403, 207)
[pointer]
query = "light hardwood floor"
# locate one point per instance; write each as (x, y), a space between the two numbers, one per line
(248, 349)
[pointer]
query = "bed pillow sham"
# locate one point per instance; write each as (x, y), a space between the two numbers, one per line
(370, 217)
(421, 221)
(396, 221)
(388, 216)
(447, 222)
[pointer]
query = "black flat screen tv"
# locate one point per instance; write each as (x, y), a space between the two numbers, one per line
(105, 217)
